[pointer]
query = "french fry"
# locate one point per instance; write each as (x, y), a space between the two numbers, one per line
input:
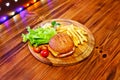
(74, 40)
(82, 36)
(82, 31)
(79, 35)
(61, 30)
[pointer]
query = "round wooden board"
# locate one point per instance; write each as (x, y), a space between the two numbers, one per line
(81, 52)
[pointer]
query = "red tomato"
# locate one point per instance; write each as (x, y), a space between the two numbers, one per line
(37, 49)
(44, 53)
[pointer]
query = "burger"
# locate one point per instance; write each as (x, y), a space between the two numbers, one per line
(61, 45)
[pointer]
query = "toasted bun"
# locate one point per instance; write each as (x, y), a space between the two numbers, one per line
(67, 54)
(61, 43)
(57, 54)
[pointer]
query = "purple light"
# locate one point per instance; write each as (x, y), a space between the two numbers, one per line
(19, 9)
(4, 18)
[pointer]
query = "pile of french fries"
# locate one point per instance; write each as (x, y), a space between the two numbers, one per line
(78, 35)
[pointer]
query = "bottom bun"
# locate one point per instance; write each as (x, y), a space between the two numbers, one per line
(57, 54)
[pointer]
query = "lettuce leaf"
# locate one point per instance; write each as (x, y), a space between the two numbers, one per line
(38, 36)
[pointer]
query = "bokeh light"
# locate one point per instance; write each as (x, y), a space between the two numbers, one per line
(11, 13)
(7, 4)
(19, 9)
(16, 0)
(4, 18)
(0, 8)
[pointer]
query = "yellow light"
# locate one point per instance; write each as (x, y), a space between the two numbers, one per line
(12, 13)
(34, 1)
(43, 1)
(27, 4)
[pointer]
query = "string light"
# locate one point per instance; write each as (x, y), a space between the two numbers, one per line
(34, 1)
(7, 4)
(18, 10)
(2, 19)
(27, 4)
(16, 0)
(43, 1)
(12, 13)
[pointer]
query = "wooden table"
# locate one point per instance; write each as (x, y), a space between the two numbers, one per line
(101, 17)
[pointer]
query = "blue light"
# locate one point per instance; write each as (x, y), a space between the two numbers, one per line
(4, 18)
(19, 9)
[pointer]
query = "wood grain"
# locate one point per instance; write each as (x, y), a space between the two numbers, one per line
(101, 17)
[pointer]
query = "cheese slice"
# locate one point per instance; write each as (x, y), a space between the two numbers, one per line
(53, 52)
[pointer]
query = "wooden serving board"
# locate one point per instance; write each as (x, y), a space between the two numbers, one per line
(81, 52)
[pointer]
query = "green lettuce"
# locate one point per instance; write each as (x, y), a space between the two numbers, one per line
(39, 35)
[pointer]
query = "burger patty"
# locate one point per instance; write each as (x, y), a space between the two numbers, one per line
(61, 43)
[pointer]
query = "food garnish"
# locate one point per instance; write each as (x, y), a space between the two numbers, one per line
(54, 23)
(37, 49)
(42, 50)
(39, 35)
(44, 53)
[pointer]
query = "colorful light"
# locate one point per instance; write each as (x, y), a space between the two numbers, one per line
(16, 11)
(7, 4)
(19, 9)
(16, 0)
(27, 4)
(4, 18)
(34, 1)
(43, 1)
(11, 13)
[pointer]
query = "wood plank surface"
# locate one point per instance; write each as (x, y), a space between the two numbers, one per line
(101, 17)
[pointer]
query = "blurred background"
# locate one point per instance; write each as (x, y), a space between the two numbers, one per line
(9, 8)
